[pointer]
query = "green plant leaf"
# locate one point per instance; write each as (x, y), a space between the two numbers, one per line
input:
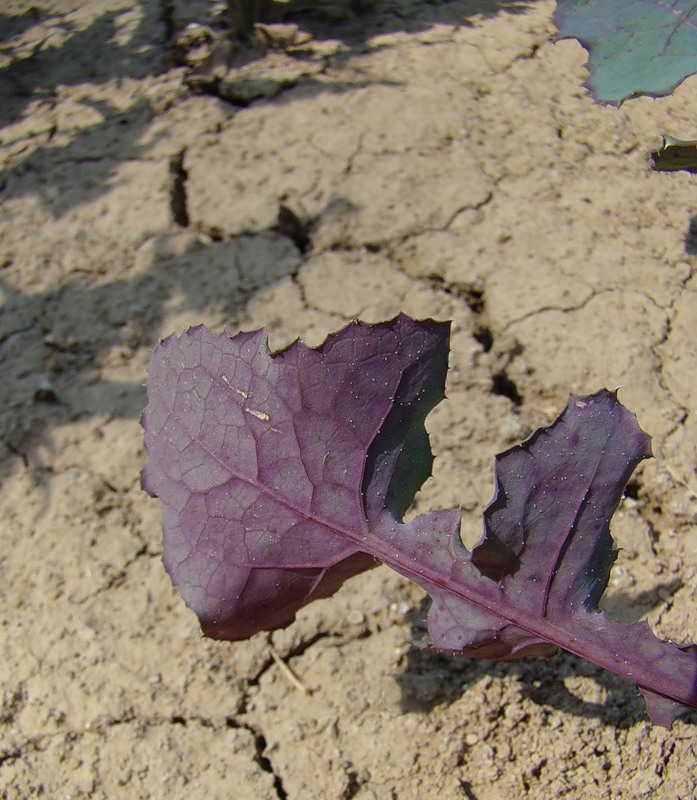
(635, 47)
(674, 155)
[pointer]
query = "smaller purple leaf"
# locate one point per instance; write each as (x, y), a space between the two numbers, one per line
(547, 554)
(554, 499)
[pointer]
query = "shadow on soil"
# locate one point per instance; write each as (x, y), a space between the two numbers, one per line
(429, 678)
(360, 20)
(42, 52)
(352, 23)
(691, 237)
(54, 344)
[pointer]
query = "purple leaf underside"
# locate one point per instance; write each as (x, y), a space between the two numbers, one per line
(282, 475)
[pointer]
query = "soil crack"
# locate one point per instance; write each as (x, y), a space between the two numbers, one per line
(563, 309)
(261, 758)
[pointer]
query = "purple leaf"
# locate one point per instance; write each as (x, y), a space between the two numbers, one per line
(282, 475)
(267, 466)
(547, 552)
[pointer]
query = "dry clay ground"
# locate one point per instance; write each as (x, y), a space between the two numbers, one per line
(444, 160)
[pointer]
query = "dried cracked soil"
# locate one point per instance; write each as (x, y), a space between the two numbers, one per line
(440, 159)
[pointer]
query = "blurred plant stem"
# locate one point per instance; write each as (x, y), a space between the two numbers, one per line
(242, 16)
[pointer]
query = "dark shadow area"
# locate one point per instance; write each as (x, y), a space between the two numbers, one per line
(632, 608)
(691, 237)
(12, 25)
(429, 679)
(352, 23)
(55, 345)
(361, 20)
(503, 386)
(241, 91)
(49, 172)
(60, 54)
(113, 47)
